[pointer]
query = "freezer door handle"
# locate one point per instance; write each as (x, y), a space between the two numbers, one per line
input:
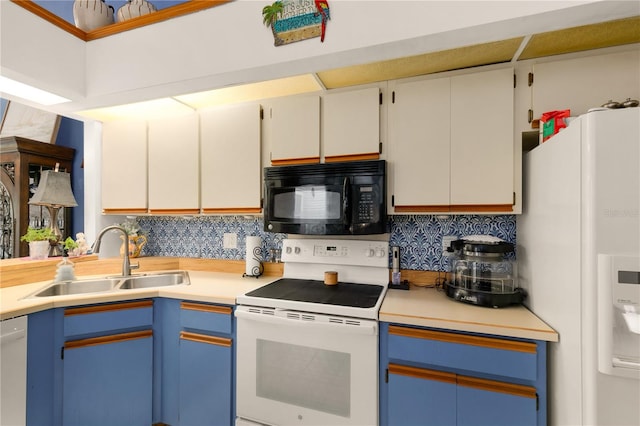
(617, 362)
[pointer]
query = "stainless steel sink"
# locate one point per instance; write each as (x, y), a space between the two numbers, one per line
(155, 280)
(112, 284)
(66, 288)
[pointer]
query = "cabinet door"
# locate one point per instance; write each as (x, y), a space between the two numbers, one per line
(488, 402)
(419, 127)
(230, 159)
(124, 167)
(108, 380)
(205, 380)
(174, 171)
(351, 125)
(482, 157)
(295, 130)
(419, 396)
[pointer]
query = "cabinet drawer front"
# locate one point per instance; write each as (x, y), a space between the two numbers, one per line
(503, 357)
(200, 316)
(103, 318)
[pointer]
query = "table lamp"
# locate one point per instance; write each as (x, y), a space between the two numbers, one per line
(54, 192)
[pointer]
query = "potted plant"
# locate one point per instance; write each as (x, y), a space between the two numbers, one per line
(39, 241)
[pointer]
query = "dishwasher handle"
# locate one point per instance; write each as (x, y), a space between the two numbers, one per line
(13, 336)
(337, 324)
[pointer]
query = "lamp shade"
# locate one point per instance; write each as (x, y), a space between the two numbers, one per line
(54, 190)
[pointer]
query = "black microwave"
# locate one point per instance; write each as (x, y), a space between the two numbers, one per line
(347, 198)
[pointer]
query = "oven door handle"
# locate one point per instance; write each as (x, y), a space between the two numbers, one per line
(368, 328)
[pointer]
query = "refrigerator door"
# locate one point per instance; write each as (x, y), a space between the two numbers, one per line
(610, 227)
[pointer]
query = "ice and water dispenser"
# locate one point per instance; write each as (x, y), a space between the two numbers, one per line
(619, 315)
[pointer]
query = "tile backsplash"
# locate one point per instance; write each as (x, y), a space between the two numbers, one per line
(418, 236)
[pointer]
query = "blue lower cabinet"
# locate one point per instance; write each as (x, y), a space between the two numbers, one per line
(437, 377)
(108, 380)
(205, 380)
(421, 397)
(485, 402)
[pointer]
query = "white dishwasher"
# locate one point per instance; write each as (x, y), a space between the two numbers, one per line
(13, 371)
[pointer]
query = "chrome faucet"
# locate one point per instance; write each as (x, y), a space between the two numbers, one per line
(126, 263)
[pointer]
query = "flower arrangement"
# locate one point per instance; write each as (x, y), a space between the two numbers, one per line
(132, 227)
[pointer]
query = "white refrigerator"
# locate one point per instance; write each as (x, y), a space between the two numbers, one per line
(579, 259)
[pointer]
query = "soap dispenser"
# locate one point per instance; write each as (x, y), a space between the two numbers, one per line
(65, 271)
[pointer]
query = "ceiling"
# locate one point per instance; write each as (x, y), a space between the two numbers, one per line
(586, 37)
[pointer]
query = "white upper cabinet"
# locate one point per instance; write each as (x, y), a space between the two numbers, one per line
(419, 139)
(124, 167)
(295, 130)
(351, 125)
(451, 144)
(230, 159)
(482, 141)
(174, 172)
(583, 83)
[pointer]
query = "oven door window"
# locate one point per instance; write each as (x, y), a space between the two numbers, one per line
(308, 377)
(309, 202)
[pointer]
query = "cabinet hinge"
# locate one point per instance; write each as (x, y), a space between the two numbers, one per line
(530, 79)
(530, 117)
(393, 97)
(386, 376)
(380, 148)
(380, 98)
(537, 402)
(261, 203)
(62, 352)
(393, 200)
(261, 114)
(514, 199)
(514, 81)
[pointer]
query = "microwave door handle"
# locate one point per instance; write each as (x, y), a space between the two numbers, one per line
(345, 202)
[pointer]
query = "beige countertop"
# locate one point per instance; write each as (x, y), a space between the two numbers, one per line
(430, 307)
(214, 287)
(419, 306)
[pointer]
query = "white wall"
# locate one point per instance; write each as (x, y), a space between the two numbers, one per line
(229, 44)
(37, 53)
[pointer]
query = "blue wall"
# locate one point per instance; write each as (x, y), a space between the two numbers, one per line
(419, 237)
(70, 134)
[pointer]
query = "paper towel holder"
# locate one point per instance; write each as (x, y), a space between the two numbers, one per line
(254, 254)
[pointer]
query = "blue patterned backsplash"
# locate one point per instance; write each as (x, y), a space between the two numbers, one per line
(418, 236)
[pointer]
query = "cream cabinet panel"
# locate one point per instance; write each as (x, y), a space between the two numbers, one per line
(580, 84)
(124, 167)
(419, 127)
(482, 157)
(174, 171)
(230, 159)
(351, 125)
(295, 130)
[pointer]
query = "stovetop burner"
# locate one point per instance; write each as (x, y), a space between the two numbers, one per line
(312, 291)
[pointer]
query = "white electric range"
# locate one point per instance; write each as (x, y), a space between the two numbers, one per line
(307, 352)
